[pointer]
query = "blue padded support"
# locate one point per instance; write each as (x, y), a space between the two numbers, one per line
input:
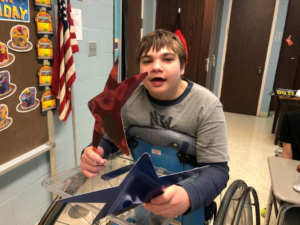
(166, 157)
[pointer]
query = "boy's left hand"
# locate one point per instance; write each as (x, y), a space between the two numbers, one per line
(173, 202)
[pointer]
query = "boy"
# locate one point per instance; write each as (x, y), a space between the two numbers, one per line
(182, 106)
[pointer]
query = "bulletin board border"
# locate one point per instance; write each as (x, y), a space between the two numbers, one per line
(10, 165)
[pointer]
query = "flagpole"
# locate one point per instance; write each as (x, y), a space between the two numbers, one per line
(74, 127)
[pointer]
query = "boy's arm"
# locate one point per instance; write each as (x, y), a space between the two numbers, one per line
(207, 186)
(287, 150)
(211, 149)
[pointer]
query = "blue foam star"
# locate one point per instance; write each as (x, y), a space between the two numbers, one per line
(140, 185)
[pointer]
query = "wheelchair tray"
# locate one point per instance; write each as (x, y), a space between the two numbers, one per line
(73, 182)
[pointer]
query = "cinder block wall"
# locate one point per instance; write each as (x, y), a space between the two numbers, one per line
(275, 50)
(23, 200)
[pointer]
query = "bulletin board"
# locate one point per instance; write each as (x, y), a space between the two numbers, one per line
(28, 130)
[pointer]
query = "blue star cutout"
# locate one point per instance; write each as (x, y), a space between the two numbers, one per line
(140, 185)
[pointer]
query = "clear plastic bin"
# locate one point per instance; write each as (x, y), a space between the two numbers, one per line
(73, 182)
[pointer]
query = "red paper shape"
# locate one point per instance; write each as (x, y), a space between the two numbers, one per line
(106, 108)
(289, 41)
(182, 39)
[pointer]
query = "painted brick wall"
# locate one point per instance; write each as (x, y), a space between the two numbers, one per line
(220, 48)
(22, 198)
(276, 45)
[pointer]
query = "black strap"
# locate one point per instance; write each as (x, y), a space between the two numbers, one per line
(183, 157)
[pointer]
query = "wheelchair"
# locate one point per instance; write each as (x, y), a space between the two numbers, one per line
(176, 152)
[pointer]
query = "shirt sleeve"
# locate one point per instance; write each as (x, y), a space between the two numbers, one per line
(207, 186)
(285, 135)
(211, 141)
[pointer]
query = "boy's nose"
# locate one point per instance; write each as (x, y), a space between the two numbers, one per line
(156, 66)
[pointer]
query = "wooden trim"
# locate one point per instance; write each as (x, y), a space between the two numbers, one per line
(10, 165)
(134, 33)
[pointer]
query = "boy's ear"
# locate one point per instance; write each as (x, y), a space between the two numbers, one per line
(182, 70)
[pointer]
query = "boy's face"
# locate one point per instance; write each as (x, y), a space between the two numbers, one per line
(163, 81)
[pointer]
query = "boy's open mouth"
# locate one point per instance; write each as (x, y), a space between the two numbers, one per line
(157, 81)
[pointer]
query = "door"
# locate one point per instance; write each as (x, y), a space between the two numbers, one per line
(196, 27)
(288, 71)
(248, 39)
(131, 35)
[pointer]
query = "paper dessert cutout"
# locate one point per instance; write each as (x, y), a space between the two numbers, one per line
(28, 100)
(6, 58)
(44, 23)
(15, 10)
(45, 48)
(5, 121)
(48, 101)
(6, 88)
(106, 108)
(43, 3)
(45, 76)
(140, 185)
(19, 39)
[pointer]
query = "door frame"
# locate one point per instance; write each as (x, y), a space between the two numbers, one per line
(272, 34)
(214, 43)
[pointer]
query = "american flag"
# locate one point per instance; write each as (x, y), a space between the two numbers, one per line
(64, 69)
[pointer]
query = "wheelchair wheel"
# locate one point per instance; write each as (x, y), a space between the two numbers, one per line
(69, 214)
(230, 202)
(52, 213)
(243, 214)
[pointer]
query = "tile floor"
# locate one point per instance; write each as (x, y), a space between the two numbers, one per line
(250, 143)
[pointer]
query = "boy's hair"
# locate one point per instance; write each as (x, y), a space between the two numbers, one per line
(157, 40)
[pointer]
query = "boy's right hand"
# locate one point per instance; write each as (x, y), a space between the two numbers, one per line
(92, 162)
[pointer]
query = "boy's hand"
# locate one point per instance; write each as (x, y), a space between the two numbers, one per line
(92, 162)
(173, 202)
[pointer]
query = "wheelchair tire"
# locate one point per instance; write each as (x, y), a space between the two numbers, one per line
(53, 212)
(241, 205)
(223, 210)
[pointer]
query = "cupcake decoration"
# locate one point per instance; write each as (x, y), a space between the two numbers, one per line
(6, 88)
(19, 39)
(5, 121)
(28, 100)
(6, 58)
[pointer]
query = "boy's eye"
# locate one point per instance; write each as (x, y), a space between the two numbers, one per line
(146, 61)
(168, 59)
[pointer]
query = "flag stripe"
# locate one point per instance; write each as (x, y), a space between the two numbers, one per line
(64, 73)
